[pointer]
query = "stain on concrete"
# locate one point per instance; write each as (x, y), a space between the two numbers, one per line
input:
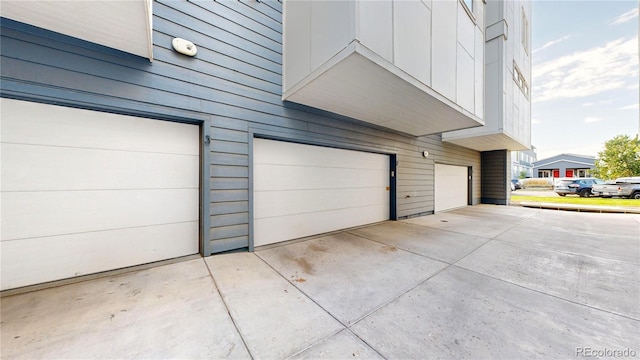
(305, 265)
(300, 280)
(388, 249)
(316, 247)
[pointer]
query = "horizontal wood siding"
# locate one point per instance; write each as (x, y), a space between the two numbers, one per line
(234, 84)
(495, 170)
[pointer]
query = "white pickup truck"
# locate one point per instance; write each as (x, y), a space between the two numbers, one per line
(628, 187)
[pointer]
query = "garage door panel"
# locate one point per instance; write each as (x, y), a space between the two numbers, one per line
(301, 190)
(61, 257)
(282, 228)
(38, 168)
(32, 123)
(284, 153)
(450, 187)
(306, 177)
(45, 213)
(85, 191)
(276, 203)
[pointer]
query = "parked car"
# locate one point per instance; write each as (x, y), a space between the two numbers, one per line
(623, 187)
(515, 184)
(575, 186)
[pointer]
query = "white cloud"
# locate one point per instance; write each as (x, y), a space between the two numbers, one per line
(551, 43)
(590, 119)
(628, 16)
(629, 107)
(588, 72)
(603, 102)
(535, 121)
(633, 86)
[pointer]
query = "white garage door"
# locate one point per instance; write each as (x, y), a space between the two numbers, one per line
(451, 187)
(85, 191)
(302, 190)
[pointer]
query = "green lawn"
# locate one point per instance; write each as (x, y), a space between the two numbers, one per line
(515, 198)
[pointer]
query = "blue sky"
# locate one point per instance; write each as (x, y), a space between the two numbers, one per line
(584, 74)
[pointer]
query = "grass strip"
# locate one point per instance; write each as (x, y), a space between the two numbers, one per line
(575, 200)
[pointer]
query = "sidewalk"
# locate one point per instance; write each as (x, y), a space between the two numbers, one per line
(481, 282)
(578, 208)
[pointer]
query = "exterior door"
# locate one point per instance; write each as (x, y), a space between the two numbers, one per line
(451, 187)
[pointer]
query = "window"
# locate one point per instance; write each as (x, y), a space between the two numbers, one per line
(469, 4)
(520, 80)
(524, 31)
(544, 173)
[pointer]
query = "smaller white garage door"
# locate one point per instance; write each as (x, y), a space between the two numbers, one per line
(85, 191)
(302, 190)
(451, 187)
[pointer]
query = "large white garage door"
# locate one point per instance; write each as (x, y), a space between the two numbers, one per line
(84, 191)
(302, 190)
(451, 187)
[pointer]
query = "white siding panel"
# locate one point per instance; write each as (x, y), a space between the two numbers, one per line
(465, 88)
(375, 27)
(43, 259)
(444, 48)
(479, 74)
(332, 25)
(302, 190)
(466, 28)
(412, 39)
(296, 38)
(450, 187)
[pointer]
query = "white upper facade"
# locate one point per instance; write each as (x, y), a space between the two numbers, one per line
(122, 25)
(411, 66)
(507, 81)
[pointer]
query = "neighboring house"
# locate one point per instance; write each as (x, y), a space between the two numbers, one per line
(564, 165)
(522, 161)
(119, 148)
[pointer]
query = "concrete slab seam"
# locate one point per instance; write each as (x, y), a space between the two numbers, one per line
(567, 253)
(345, 327)
(550, 295)
(403, 249)
(495, 237)
(226, 306)
(398, 296)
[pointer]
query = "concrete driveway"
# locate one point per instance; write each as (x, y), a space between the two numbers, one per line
(479, 282)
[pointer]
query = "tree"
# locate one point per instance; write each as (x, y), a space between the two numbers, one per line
(523, 174)
(620, 158)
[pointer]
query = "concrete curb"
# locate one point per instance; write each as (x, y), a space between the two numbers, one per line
(579, 208)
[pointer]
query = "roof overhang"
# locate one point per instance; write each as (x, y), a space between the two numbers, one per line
(122, 25)
(485, 142)
(358, 83)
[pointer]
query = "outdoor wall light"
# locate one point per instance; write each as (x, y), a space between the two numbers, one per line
(425, 153)
(185, 47)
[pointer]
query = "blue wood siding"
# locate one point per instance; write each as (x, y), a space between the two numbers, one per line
(234, 84)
